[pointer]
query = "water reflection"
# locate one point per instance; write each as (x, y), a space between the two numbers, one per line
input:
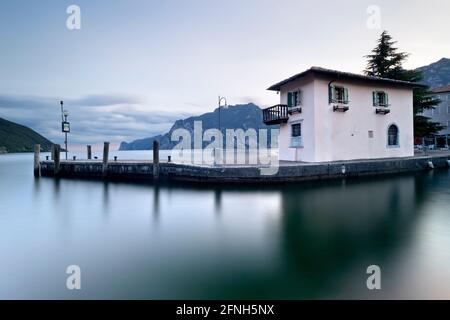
(309, 240)
(156, 201)
(326, 230)
(105, 198)
(218, 200)
(329, 231)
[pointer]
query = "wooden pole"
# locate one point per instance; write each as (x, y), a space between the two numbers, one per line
(37, 164)
(155, 159)
(57, 158)
(53, 152)
(105, 158)
(89, 152)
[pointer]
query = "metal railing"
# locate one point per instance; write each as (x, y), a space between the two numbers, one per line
(276, 114)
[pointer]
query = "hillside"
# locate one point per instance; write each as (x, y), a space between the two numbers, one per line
(234, 117)
(436, 74)
(17, 138)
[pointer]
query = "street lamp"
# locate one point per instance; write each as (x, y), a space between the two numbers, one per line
(220, 105)
(224, 100)
(65, 125)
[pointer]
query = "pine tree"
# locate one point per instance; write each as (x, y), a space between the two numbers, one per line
(387, 62)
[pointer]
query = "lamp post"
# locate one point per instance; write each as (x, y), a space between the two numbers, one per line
(220, 105)
(65, 125)
(221, 99)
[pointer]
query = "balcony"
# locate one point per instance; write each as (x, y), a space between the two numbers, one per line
(340, 108)
(276, 115)
(382, 111)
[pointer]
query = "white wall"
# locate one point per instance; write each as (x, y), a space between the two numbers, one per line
(307, 152)
(332, 136)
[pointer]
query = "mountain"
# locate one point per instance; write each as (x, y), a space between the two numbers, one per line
(436, 74)
(234, 117)
(17, 138)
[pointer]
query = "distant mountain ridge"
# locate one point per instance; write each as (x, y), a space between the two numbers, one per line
(243, 116)
(18, 138)
(436, 74)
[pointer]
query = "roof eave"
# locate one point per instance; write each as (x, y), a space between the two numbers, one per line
(343, 75)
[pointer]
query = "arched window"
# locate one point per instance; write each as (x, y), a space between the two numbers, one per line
(393, 135)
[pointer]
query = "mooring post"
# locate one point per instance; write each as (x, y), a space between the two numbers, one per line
(89, 152)
(37, 164)
(155, 159)
(52, 154)
(57, 158)
(105, 158)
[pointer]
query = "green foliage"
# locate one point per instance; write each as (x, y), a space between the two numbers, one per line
(17, 138)
(387, 62)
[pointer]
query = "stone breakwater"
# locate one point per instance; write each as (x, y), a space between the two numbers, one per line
(287, 171)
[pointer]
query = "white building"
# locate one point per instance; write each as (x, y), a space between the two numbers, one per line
(441, 114)
(327, 115)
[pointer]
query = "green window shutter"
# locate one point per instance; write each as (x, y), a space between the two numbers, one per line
(289, 100)
(331, 94)
(374, 98)
(387, 99)
(345, 95)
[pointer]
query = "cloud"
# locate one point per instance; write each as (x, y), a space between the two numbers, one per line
(104, 100)
(93, 118)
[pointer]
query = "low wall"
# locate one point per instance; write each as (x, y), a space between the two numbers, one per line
(91, 169)
(287, 172)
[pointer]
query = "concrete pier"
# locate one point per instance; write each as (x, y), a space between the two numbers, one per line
(287, 171)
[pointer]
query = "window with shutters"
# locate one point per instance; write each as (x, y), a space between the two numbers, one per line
(294, 99)
(380, 99)
(338, 95)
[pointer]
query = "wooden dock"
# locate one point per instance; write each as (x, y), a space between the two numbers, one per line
(286, 171)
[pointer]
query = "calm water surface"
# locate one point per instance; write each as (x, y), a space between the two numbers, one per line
(310, 240)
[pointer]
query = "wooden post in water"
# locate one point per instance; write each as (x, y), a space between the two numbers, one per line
(57, 158)
(52, 154)
(37, 164)
(89, 152)
(105, 158)
(155, 159)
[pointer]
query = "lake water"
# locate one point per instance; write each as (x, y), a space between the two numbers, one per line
(297, 241)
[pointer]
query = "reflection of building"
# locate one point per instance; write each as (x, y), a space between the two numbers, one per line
(327, 115)
(441, 114)
(331, 227)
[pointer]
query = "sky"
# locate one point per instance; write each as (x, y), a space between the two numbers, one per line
(136, 66)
